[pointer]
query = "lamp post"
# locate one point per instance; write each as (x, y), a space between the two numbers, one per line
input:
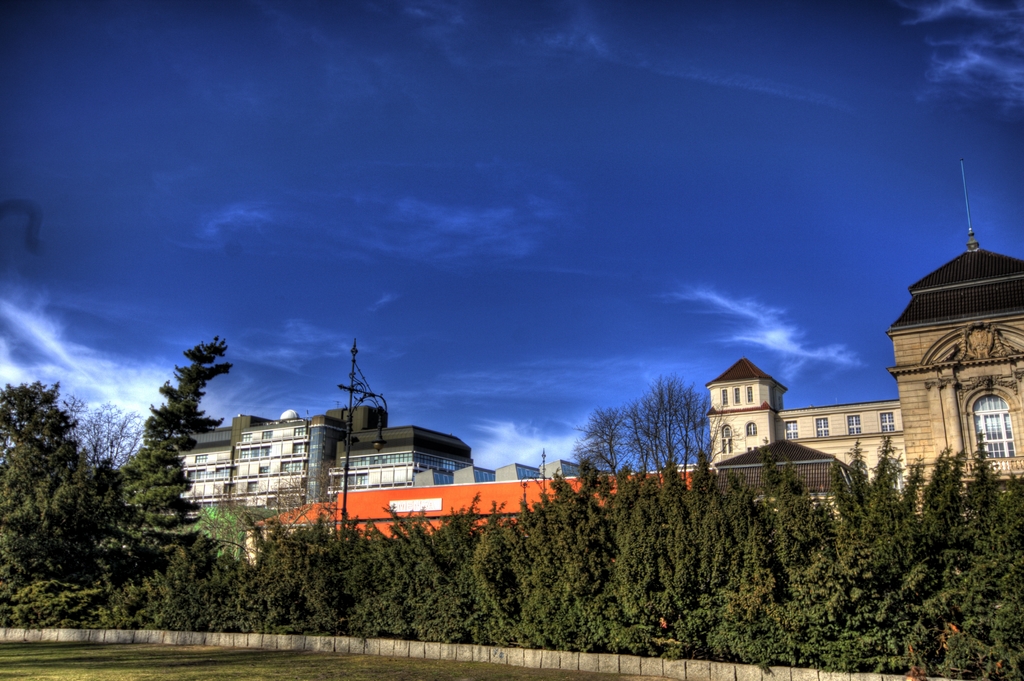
(358, 392)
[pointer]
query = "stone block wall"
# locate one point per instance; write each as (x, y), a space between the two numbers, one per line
(655, 667)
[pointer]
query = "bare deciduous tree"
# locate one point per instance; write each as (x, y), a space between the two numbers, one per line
(107, 434)
(668, 424)
(603, 442)
(290, 494)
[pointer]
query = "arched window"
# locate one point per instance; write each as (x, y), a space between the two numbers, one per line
(727, 440)
(992, 425)
(751, 429)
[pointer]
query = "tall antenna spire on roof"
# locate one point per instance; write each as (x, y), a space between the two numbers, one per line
(972, 243)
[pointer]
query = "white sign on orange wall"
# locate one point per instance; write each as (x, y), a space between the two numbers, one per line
(415, 505)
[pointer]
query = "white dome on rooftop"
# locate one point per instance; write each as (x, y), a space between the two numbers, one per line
(289, 415)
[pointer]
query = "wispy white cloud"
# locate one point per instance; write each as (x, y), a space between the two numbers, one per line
(766, 327)
(417, 229)
(459, 230)
(34, 347)
(455, 28)
(383, 300)
(436, 12)
(583, 37)
(933, 10)
(985, 59)
(554, 379)
(578, 38)
(742, 81)
(504, 442)
(571, 387)
(237, 218)
(291, 346)
(228, 228)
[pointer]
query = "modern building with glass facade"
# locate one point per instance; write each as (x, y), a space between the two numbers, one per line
(284, 462)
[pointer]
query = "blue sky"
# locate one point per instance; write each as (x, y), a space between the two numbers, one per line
(523, 211)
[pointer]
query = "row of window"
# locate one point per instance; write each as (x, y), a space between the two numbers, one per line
(255, 452)
(253, 487)
(219, 474)
(426, 460)
(222, 473)
(992, 426)
(260, 452)
(774, 396)
(736, 396)
(288, 467)
(887, 421)
(269, 434)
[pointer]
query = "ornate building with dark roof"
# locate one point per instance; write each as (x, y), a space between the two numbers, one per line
(959, 348)
(959, 370)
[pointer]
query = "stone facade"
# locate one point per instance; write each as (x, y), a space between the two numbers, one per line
(959, 370)
(742, 425)
(943, 370)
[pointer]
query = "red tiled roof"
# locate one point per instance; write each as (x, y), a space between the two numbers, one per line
(971, 266)
(742, 370)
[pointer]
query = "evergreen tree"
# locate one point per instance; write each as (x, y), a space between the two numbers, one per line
(867, 585)
(497, 587)
(1004, 547)
(435, 564)
(640, 537)
(301, 580)
(56, 511)
(154, 479)
(198, 590)
(981, 568)
(564, 567)
(700, 557)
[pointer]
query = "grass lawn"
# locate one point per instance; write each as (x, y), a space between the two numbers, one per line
(93, 662)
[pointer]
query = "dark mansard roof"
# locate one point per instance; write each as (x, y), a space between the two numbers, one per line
(975, 284)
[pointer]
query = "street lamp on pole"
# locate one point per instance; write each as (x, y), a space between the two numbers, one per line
(358, 393)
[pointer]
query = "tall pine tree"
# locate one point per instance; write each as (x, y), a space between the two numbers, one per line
(154, 480)
(56, 511)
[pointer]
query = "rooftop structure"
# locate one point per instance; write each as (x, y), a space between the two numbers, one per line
(959, 370)
(814, 468)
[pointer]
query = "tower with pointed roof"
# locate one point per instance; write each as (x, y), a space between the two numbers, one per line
(745, 402)
(747, 412)
(959, 358)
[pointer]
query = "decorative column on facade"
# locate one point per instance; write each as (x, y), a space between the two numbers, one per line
(954, 426)
(937, 422)
(945, 412)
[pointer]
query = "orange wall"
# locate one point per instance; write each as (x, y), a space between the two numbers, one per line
(372, 504)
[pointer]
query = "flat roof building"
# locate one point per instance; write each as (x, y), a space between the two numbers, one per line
(289, 461)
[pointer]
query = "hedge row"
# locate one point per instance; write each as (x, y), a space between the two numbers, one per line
(883, 575)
